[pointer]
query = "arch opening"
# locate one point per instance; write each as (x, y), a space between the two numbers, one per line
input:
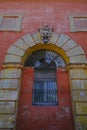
(44, 58)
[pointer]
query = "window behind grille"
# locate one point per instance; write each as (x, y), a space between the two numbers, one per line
(45, 63)
(45, 87)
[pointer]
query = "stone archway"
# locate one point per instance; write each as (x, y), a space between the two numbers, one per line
(12, 71)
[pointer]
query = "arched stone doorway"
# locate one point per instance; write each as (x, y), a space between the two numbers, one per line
(12, 67)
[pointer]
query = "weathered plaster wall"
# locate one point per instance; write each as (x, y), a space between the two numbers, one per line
(36, 14)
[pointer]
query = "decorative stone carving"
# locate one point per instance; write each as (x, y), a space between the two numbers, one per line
(45, 33)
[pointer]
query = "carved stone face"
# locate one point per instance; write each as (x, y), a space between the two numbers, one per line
(45, 34)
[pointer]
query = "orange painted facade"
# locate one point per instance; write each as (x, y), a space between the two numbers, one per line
(36, 14)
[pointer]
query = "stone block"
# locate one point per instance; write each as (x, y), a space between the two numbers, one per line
(69, 44)
(81, 108)
(54, 38)
(78, 59)
(12, 58)
(78, 73)
(8, 83)
(21, 44)
(81, 123)
(11, 73)
(29, 40)
(75, 51)
(62, 40)
(15, 50)
(10, 95)
(79, 95)
(37, 38)
(7, 121)
(7, 107)
(79, 84)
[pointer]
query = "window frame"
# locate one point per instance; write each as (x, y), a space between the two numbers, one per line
(47, 102)
(72, 23)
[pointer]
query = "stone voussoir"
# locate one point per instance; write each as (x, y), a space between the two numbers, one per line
(37, 38)
(15, 50)
(29, 40)
(21, 44)
(62, 40)
(12, 58)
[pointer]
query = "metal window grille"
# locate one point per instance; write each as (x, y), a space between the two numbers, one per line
(45, 87)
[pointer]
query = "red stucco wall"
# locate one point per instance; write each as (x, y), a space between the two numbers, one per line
(45, 117)
(36, 14)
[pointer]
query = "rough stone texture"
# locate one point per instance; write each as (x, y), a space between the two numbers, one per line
(28, 39)
(79, 84)
(78, 59)
(12, 58)
(7, 107)
(54, 37)
(81, 122)
(79, 95)
(37, 38)
(75, 51)
(69, 44)
(15, 50)
(7, 121)
(8, 95)
(8, 83)
(81, 108)
(78, 73)
(62, 40)
(11, 73)
(21, 44)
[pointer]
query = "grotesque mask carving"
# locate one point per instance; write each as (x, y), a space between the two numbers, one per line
(45, 33)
